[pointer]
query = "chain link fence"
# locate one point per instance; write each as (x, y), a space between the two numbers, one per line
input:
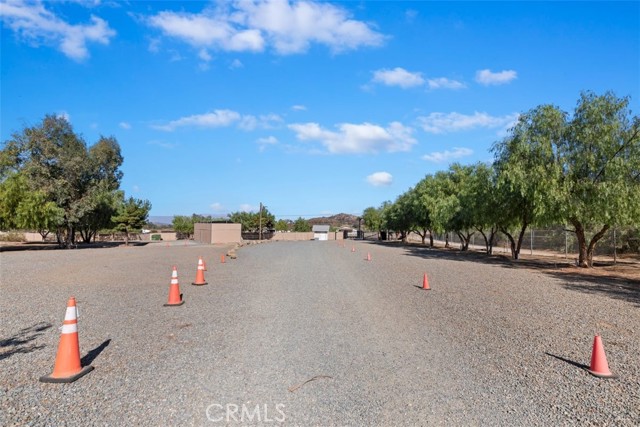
(616, 242)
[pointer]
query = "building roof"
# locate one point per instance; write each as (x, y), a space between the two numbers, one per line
(320, 228)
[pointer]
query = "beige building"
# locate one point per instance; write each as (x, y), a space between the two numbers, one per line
(211, 233)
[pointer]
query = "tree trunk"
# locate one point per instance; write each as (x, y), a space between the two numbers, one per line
(585, 252)
(515, 246)
(126, 237)
(430, 239)
(446, 240)
(582, 243)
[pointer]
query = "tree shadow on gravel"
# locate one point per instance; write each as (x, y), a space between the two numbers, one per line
(93, 354)
(39, 246)
(598, 280)
(22, 342)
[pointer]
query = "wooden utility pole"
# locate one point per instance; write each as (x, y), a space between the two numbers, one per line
(260, 221)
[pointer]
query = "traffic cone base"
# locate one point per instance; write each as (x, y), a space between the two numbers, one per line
(51, 379)
(599, 366)
(199, 284)
(174, 305)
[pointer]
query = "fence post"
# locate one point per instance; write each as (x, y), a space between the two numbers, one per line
(531, 242)
(615, 259)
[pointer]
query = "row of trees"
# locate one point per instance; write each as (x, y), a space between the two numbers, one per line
(250, 222)
(51, 181)
(581, 170)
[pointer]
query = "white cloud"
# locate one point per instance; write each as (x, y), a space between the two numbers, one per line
(445, 83)
(64, 115)
(299, 108)
(357, 138)
(266, 141)
(487, 77)
(263, 121)
(204, 55)
(398, 77)
(223, 118)
(236, 63)
(455, 122)
(380, 179)
(246, 207)
(253, 25)
(218, 118)
(136, 189)
(443, 156)
(217, 207)
(34, 23)
(125, 125)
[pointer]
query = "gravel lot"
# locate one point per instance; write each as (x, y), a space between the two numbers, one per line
(488, 345)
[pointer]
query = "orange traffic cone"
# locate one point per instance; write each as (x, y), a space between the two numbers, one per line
(68, 368)
(175, 297)
(200, 274)
(353, 248)
(425, 283)
(368, 256)
(222, 261)
(599, 366)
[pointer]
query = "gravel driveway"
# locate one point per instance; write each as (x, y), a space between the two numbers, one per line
(311, 334)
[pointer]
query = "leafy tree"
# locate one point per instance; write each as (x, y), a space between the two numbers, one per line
(35, 213)
(482, 203)
(250, 221)
(102, 205)
(372, 219)
(600, 162)
(421, 205)
(132, 215)
(529, 173)
(301, 224)
(183, 225)
(397, 216)
(282, 225)
(56, 161)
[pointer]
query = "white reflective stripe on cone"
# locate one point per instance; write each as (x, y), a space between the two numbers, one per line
(71, 314)
(70, 329)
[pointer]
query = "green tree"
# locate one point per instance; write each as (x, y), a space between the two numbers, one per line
(35, 213)
(301, 224)
(56, 161)
(372, 219)
(183, 225)
(482, 203)
(282, 225)
(600, 163)
(132, 214)
(528, 173)
(250, 221)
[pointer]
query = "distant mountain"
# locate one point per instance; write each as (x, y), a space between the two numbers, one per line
(336, 220)
(161, 220)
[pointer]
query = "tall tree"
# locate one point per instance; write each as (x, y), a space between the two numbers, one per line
(372, 219)
(301, 225)
(132, 215)
(529, 173)
(600, 159)
(57, 162)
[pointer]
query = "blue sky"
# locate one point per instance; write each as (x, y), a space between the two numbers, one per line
(312, 108)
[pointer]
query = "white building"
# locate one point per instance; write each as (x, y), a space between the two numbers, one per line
(320, 232)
